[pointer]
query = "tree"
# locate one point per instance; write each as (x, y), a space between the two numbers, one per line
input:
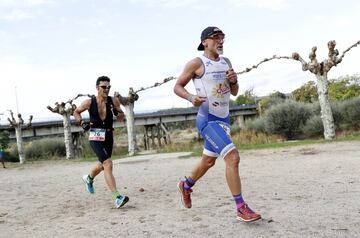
(321, 71)
(306, 93)
(17, 125)
(66, 109)
(128, 103)
(340, 89)
(247, 98)
(344, 88)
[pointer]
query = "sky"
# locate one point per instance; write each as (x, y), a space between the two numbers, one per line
(51, 50)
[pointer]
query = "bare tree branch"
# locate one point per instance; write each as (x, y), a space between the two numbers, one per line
(20, 120)
(263, 61)
(348, 49)
(61, 109)
(156, 84)
(30, 121)
(131, 98)
(313, 66)
(79, 95)
(322, 68)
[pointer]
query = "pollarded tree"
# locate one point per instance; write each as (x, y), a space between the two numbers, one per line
(18, 124)
(66, 109)
(128, 102)
(321, 69)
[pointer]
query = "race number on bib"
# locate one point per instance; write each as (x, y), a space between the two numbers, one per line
(97, 134)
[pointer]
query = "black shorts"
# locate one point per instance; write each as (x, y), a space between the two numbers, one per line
(103, 149)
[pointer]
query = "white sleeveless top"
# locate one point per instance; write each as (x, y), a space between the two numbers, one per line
(214, 85)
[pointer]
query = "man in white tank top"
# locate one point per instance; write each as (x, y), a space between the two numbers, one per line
(214, 80)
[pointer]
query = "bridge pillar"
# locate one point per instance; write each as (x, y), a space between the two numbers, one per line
(241, 121)
(77, 144)
(156, 132)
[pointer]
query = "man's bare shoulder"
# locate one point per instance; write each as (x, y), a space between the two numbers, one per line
(193, 65)
(86, 103)
(195, 62)
(115, 100)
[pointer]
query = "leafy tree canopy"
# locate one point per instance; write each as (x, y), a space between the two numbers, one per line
(247, 98)
(340, 89)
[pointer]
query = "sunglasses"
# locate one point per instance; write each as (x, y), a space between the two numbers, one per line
(217, 37)
(105, 87)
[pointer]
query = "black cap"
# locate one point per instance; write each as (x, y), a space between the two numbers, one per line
(206, 33)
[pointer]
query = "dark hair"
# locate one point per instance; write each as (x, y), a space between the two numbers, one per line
(102, 78)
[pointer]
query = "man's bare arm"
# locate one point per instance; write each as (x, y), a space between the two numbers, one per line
(120, 116)
(85, 105)
(192, 68)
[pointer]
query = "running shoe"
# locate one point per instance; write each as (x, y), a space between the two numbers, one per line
(185, 194)
(121, 201)
(88, 183)
(244, 213)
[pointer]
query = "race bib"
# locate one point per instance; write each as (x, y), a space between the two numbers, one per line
(226, 128)
(97, 134)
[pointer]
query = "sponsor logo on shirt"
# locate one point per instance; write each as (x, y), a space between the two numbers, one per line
(215, 104)
(207, 63)
(220, 90)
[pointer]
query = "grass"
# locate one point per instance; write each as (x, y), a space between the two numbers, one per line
(243, 143)
(197, 151)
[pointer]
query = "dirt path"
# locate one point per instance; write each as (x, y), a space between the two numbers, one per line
(308, 191)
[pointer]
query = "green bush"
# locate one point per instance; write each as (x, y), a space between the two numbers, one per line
(287, 119)
(257, 124)
(4, 139)
(273, 99)
(351, 113)
(13, 153)
(235, 128)
(313, 127)
(45, 148)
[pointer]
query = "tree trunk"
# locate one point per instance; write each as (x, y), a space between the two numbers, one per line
(67, 136)
(130, 123)
(20, 145)
(326, 112)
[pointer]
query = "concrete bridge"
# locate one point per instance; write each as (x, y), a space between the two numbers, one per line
(154, 123)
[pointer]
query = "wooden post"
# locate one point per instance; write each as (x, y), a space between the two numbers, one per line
(241, 121)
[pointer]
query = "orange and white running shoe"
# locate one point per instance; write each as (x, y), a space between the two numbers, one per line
(244, 213)
(185, 194)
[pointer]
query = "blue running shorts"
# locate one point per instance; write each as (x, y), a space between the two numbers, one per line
(217, 139)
